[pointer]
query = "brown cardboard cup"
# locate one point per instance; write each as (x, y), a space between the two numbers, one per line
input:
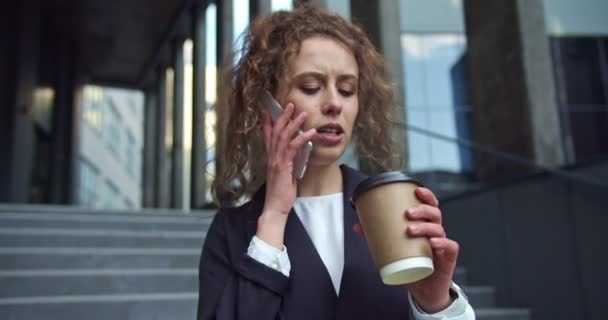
(381, 202)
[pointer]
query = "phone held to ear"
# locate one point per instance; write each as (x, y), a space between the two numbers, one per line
(301, 159)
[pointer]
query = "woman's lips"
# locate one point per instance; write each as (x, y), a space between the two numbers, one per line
(329, 134)
(329, 139)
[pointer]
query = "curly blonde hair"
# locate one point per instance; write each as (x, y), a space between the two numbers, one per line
(267, 47)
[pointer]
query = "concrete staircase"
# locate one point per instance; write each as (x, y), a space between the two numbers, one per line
(483, 300)
(71, 263)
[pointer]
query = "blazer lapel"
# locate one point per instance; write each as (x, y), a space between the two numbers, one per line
(355, 248)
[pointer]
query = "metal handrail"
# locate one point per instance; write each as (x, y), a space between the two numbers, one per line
(509, 157)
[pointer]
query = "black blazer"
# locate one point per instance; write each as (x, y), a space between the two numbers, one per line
(232, 285)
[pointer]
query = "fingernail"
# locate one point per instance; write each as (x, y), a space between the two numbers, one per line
(413, 228)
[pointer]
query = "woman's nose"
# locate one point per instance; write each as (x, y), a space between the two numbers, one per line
(332, 104)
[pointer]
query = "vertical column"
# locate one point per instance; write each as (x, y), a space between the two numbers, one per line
(260, 8)
(198, 181)
(177, 165)
(150, 146)
(64, 128)
(512, 89)
(225, 37)
(382, 22)
(161, 199)
(26, 77)
(8, 56)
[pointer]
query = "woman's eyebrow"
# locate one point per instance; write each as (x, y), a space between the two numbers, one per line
(322, 77)
(345, 77)
(312, 74)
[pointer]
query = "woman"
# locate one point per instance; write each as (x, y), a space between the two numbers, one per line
(331, 82)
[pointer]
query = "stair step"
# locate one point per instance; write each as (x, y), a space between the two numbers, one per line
(62, 237)
(104, 221)
(99, 281)
(83, 258)
(45, 210)
(161, 306)
(502, 314)
(481, 296)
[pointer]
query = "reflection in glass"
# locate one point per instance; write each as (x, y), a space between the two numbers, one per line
(88, 184)
(92, 111)
(581, 70)
(110, 147)
(434, 92)
(43, 106)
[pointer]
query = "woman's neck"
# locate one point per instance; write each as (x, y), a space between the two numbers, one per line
(320, 180)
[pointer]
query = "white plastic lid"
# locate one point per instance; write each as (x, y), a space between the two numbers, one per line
(407, 270)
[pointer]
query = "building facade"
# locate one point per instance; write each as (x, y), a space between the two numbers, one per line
(110, 148)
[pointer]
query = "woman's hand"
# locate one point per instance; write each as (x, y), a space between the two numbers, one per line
(432, 294)
(281, 144)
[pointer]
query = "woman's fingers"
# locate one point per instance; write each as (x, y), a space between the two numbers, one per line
(280, 124)
(427, 196)
(426, 229)
(424, 212)
(446, 250)
(298, 142)
(446, 244)
(287, 135)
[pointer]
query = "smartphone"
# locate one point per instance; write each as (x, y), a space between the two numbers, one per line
(300, 162)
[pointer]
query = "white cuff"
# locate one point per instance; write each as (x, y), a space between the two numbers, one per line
(269, 255)
(460, 309)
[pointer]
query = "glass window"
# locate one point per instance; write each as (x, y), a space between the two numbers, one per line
(44, 97)
(583, 83)
(130, 153)
(240, 13)
(92, 105)
(435, 100)
(581, 70)
(113, 129)
(129, 204)
(112, 198)
(281, 5)
(88, 184)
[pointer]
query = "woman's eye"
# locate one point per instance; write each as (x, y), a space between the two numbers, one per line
(346, 93)
(310, 90)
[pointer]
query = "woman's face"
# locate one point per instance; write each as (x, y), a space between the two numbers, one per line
(322, 81)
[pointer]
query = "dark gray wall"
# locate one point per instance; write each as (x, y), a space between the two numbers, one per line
(539, 242)
(7, 97)
(19, 76)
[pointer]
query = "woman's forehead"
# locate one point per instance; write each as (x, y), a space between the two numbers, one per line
(323, 55)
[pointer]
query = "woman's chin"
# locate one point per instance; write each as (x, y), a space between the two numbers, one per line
(325, 157)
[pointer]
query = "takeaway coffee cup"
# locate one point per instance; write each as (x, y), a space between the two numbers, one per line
(381, 202)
